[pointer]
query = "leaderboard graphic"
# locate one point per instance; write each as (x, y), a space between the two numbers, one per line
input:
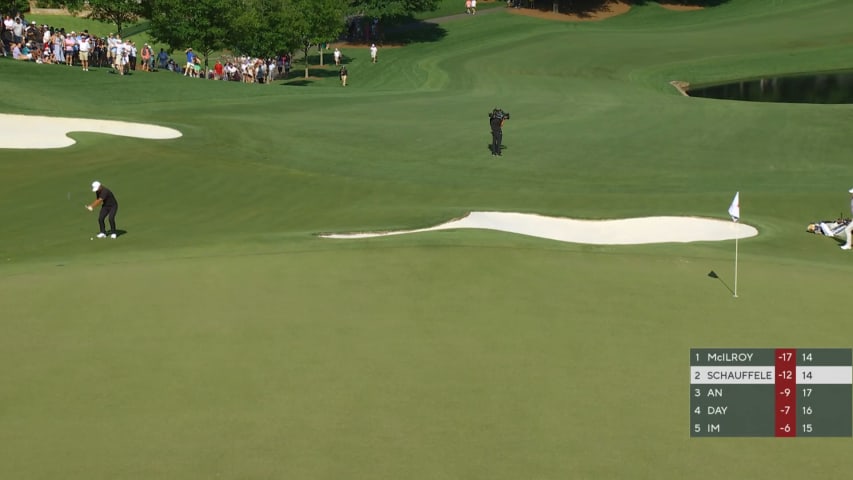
(771, 392)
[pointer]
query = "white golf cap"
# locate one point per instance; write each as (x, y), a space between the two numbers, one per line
(96, 185)
(851, 190)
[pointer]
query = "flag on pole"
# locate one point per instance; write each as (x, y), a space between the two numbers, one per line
(734, 208)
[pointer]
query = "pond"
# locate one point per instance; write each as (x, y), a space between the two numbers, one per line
(829, 88)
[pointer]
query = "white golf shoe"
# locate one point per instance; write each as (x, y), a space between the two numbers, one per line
(101, 235)
(846, 247)
(114, 236)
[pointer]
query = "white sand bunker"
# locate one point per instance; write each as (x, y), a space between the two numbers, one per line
(29, 131)
(629, 231)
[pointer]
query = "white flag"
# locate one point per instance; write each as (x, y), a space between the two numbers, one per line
(734, 208)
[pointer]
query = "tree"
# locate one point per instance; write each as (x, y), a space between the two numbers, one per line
(391, 8)
(311, 22)
(12, 7)
(117, 12)
(258, 30)
(204, 25)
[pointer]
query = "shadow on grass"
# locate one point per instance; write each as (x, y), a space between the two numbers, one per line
(414, 31)
(684, 3)
(588, 8)
(315, 73)
(135, 29)
(297, 82)
(713, 274)
(499, 152)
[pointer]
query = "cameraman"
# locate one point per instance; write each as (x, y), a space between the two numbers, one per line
(496, 121)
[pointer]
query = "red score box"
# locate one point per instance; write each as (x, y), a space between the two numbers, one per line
(786, 392)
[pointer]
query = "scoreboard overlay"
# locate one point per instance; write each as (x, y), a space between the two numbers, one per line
(771, 392)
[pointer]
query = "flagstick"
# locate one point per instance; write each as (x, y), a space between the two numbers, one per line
(734, 212)
(736, 239)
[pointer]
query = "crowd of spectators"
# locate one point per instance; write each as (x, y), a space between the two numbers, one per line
(45, 44)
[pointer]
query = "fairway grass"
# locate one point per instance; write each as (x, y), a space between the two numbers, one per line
(221, 337)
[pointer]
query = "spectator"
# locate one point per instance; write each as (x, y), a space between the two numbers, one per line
(261, 71)
(69, 49)
(59, 47)
(271, 68)
(31, 32)
(146, 57)
(111, 49)
(337, 55)
(121, 56)
(343, 74)
(85, 47)
(98, 55)
(190, 67)
(8, 26)
(19, 53)
(131, 55)
(163, 58)
(373, 52)
(18, 31)
(196, 67)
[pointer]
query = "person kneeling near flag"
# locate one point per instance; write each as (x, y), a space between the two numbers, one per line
(849, 230)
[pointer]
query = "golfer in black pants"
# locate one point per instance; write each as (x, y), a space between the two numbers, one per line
(109, 207)
(496, 122)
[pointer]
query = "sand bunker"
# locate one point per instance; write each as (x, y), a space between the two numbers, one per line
(629, 231)
(29, 131)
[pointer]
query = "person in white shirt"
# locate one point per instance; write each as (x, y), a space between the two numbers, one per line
(121, 56)
(373, 52)
(337, 56)
(111, 49)
(18, 31)
(85, 47)
(8, 22)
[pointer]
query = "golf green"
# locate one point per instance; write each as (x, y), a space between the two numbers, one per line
(220, 337)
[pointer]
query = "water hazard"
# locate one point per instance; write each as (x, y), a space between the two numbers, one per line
(830, 88)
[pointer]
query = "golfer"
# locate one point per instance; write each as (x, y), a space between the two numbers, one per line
(849, 230)
(109, 207)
